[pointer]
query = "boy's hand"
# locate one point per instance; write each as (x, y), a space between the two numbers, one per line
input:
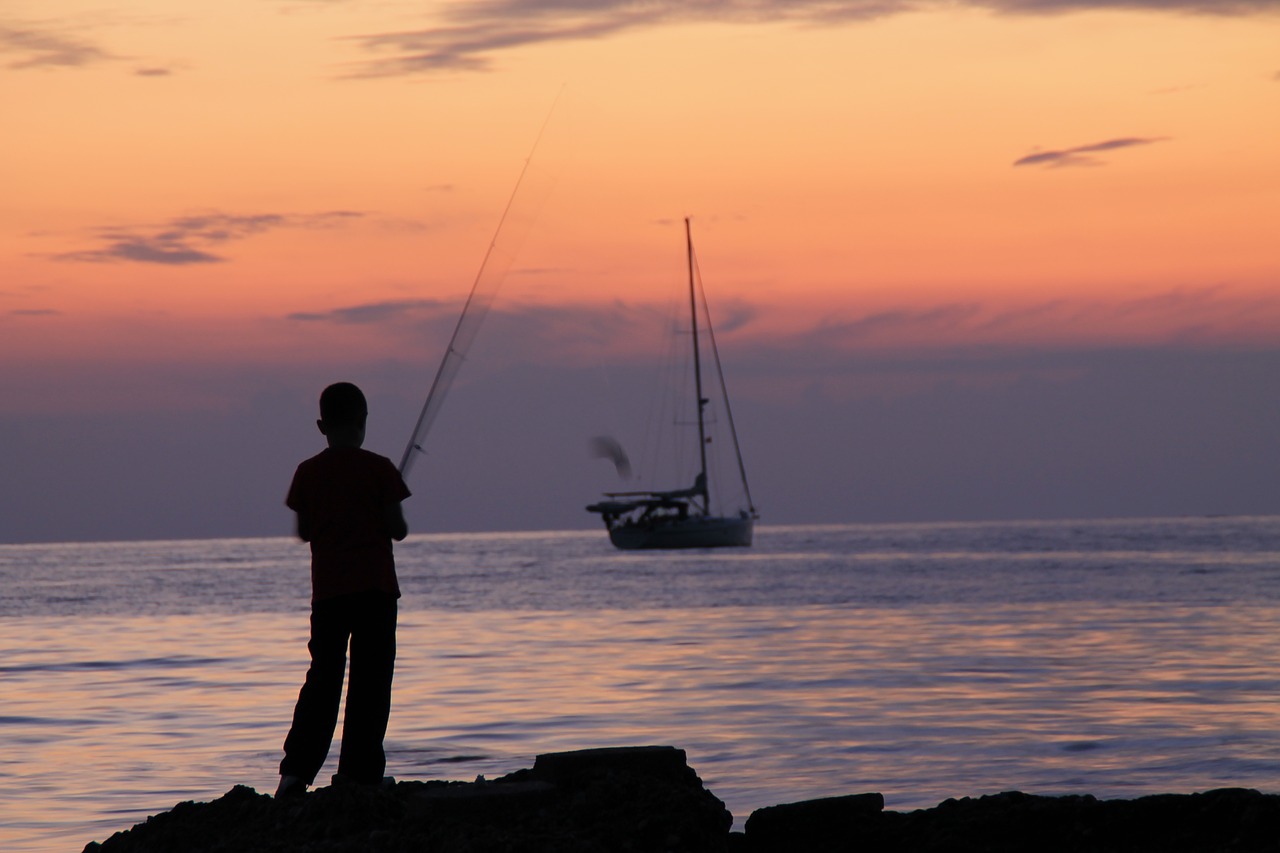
(393, 519)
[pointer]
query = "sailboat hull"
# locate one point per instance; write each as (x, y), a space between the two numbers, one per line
(692, 532)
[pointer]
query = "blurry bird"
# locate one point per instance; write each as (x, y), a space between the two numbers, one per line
(607, 447)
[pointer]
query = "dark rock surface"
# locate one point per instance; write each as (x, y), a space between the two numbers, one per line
(648, 799)
(1232, 819)
(628, 799)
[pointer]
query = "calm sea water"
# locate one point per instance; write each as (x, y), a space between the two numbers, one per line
(1118, 658)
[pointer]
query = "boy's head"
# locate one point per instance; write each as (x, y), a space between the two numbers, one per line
(343, 404)
(343, 411)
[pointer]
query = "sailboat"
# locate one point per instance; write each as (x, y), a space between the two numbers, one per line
(683, 518)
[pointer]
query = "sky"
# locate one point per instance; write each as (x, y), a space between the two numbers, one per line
(975, 259)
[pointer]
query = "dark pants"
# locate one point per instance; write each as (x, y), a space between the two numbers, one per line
(368, 621)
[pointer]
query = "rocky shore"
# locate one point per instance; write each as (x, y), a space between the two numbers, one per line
(648, 799)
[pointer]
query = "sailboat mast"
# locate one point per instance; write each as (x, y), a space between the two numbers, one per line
(697, 372)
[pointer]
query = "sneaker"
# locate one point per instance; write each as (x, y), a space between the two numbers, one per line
(291, 786)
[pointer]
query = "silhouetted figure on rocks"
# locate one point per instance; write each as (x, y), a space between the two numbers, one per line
(347, 500)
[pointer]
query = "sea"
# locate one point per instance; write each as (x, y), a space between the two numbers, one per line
(924, 661)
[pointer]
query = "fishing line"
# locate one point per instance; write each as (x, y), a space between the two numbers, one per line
(531, 190)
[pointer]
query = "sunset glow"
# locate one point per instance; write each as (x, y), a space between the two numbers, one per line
(271, 184)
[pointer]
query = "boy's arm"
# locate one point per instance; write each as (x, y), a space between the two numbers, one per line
(393, 520)
(304, 528)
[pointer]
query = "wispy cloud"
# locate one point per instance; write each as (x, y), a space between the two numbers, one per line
(468, 35)
(467, 44)
(514, 331)
(1200, 7)
(143, 250)
(898, 321)
(191, 239)
(373, 313)
(1186, 315)
(39, 46)
(1081, 154)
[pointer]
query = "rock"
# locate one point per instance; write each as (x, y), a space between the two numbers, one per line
(1224, 821)
(648, 800)
(827, 822)
(658, 762)
(594, 801)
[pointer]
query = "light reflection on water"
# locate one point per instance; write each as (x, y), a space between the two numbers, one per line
(126, 717)
(925, 663)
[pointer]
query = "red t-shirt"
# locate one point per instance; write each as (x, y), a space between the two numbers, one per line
(343, 493)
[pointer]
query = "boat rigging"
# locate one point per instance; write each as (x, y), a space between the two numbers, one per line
(683, 518)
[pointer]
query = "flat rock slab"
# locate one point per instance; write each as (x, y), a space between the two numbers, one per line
(661, 762)
(1230, 820)
(826, 818)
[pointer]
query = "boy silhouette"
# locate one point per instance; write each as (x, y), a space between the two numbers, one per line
(347, 501)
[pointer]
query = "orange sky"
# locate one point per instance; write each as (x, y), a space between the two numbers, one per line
(834, 169)
(201, 192)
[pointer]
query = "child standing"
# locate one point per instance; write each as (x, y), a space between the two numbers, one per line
(347, 501)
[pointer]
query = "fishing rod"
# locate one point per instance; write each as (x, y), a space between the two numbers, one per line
(527, 197)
